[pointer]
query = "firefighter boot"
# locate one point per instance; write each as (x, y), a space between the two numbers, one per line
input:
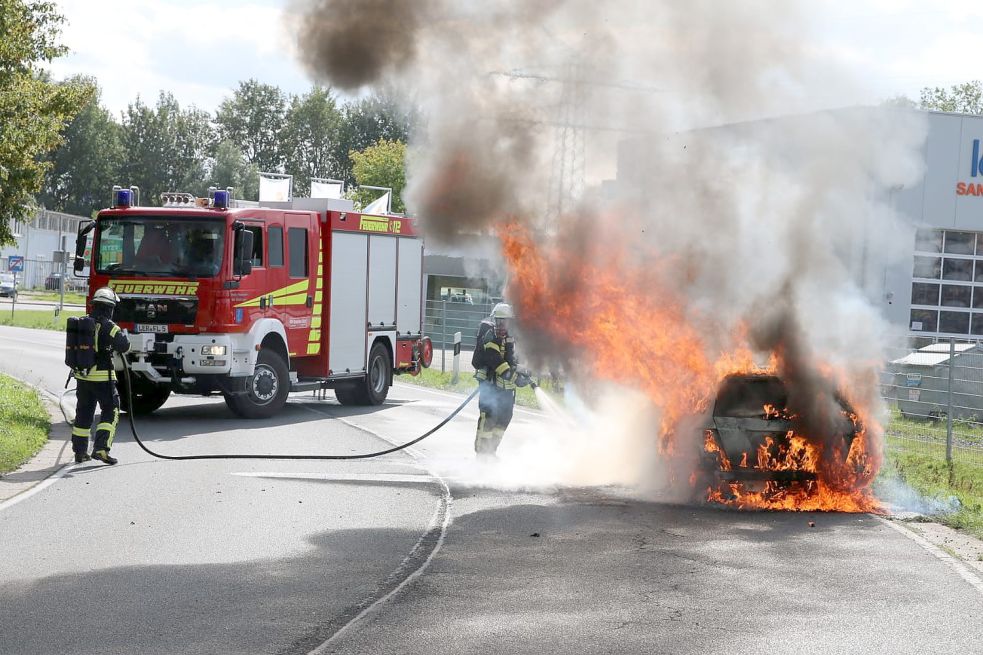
(104, 457)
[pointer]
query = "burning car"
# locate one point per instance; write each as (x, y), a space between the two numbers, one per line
(753, 451)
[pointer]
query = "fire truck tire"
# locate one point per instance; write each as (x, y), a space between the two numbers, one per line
(374, 387)
(147, 397)
(267, 389)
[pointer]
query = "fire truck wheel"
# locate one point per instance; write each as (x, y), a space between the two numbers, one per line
(267, 389)
(373, 389)
(147, 397)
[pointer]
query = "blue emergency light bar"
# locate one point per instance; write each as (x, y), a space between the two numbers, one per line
(122, 198)
(221, 199)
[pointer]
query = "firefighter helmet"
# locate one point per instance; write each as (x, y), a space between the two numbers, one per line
(106, 296)
(502, 310)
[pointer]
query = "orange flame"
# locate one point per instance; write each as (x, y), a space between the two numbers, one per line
(649, 341)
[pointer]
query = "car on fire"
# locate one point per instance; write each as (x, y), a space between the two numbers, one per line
(749, 436)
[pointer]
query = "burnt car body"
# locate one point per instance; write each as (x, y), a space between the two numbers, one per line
(749, 434)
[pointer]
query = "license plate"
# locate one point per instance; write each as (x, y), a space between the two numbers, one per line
(149, 327)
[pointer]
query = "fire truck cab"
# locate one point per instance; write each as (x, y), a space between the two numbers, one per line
(255, 302)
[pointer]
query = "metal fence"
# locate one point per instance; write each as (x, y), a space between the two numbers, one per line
(935, 395)
(44, 275)
(443, 318)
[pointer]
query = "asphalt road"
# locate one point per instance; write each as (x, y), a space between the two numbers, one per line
(277, 557)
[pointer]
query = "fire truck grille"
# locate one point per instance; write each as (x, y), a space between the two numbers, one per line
(157, 310)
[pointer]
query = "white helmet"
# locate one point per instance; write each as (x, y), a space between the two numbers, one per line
(105, 296)
(502, 310)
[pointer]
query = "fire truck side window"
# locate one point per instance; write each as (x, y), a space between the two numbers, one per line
(276, 245)
(257, 255)
(297, 237)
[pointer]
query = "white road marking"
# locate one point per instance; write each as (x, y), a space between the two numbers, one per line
(343, 477)
(47, 482)
(964, 571)
(444, 506)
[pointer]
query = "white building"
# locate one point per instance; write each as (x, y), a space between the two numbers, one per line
(39, 241)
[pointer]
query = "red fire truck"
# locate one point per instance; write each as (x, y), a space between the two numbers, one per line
(256, 302)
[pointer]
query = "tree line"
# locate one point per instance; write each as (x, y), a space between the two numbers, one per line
(167, 147)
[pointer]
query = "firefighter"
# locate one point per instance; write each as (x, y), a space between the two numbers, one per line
(97, 385)
(497, 372)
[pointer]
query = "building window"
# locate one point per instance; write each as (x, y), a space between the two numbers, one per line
(923, 320)
(955, 322)
(960, 243)
(928, 267)
(923, 293)
(956, 296)
(957, 270)
(928, 240)
(977, 325)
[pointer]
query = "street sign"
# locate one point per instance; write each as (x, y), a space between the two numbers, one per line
(15, 263)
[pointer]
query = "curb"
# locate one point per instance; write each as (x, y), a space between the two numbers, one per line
(52, 458)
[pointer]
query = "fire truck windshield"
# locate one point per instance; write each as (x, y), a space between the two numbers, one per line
(152, 245)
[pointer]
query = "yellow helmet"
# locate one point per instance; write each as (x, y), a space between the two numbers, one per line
(106, 296)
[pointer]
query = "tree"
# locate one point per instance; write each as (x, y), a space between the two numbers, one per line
(33, 109)
(254, 118)
(166, 148)
(87, 163)
(382, 164)
(230, 168)
(366, 121)
(310, 138)
(964, 98)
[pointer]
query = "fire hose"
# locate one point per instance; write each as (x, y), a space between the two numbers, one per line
(378, 453)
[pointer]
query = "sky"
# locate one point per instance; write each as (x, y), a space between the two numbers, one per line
(200, 49)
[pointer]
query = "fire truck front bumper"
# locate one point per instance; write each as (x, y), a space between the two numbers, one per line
(189, 355)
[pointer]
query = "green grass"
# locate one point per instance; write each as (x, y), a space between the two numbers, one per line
(43, 319)
(931, 476)
(24, 424)
(434, 379)
(968, 432)
(71, 297)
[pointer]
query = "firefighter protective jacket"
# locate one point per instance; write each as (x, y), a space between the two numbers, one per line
(496, 361)
(109, 338)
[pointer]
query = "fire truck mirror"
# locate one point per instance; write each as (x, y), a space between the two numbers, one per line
(80, 242)
(243, 262)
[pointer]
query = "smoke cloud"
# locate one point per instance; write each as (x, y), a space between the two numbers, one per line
(740, 199)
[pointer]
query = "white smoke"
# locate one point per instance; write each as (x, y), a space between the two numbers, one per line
(758, 205)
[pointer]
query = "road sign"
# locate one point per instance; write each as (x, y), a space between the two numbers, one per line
(15, 263)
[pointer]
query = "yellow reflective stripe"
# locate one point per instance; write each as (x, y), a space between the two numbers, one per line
(316, 320)
(280, 294)
(491, 345)
(80, 432)
(96, 376)
(504, 366)
(313, 348)
(297, 299)
(114, 331)
(480, 374)
(112, 429)
(315, 335)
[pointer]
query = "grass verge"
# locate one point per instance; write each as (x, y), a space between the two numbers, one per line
(525, 396)
(928, 473)
(39, 319)
(24, 423)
